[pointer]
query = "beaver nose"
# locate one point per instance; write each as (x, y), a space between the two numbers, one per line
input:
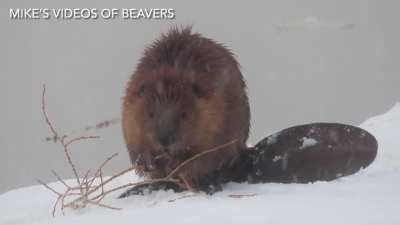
(167, 125)
(167, 140)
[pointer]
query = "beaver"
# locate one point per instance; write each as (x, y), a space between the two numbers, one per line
(186, 96)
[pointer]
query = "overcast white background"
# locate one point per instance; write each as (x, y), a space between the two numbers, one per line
(304, 61)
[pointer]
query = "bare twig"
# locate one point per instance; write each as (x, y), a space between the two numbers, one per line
(59, 179)
(48, 187)
(55, 133)
(219, 147)
(55, 205)
(96, 174)
(80, 139)
(104, 206)
(112, 178)
(241, 195)
(182, 197)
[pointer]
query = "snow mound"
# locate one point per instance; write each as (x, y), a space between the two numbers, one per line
(386, 129)
(368, 197)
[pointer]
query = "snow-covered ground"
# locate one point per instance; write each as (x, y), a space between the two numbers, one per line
(371, 196)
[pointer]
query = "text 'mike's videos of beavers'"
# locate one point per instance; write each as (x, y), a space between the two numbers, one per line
(92, 13)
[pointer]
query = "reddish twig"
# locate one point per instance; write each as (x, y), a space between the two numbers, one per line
(59, 179)
(80, 139)
(219, 147)
(48, 187)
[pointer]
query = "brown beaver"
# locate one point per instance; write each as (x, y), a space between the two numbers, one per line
(187, 95)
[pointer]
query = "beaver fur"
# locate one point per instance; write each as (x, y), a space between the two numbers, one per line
(187, 95)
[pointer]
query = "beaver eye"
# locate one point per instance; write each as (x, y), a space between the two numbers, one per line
(141, 91)
(197, 91)
(183, 115)
(151, 115)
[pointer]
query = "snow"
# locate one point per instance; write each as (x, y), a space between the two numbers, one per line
(369, 197)
(272, 139)
(277, 158)
(308, 142)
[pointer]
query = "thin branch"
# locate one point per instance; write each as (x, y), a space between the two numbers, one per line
(70, 161)
(219, 147)
(85, 182)
(241, 195)
(45, 113)
(48, 187)
(101, 182)
(59, 179)
(182, 197)
(80, 139)
(104, 206)
(55, 205)
(113, 177)
(135, 184)
(101, 167)
(55, 133)
(102, 188)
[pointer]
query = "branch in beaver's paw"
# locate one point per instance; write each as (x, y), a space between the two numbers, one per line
(241, 195)
(182, 197)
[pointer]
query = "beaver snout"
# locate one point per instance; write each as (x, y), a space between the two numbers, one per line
(167, 128)
(166, 140)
